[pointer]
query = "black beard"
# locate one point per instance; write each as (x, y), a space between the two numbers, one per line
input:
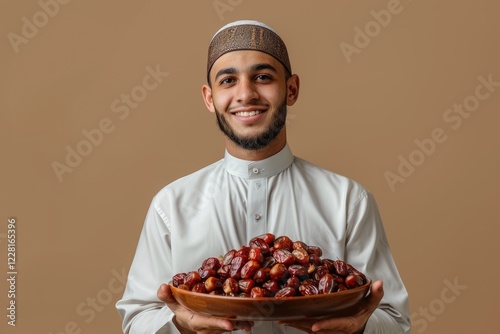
(259, 141)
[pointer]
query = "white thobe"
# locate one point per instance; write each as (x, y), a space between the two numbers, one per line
(222, 206)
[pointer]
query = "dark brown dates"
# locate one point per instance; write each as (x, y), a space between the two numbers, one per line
(271, 267)
(230, 286)
(298, 270)
(308, 289)
(326, 284)
(279, 272)
(284, 256)
(249, 269)
(285, 292)
(283, 242)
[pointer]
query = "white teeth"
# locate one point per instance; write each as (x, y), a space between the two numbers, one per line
(248, 113)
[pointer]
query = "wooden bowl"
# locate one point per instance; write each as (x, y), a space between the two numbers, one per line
(262, 309)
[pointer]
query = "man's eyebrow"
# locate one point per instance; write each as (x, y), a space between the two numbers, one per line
(228, 70)
(253, 68)
(263, 66)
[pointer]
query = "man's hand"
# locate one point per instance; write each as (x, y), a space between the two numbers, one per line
(189, 322)
(343, 325)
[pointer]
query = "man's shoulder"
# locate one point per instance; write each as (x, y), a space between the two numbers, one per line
(192, 180)
(324, 177)
(322, 172)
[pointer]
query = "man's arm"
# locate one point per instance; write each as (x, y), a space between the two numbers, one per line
(385, 309)
(368, 250)
(140, 308)
(147, 305)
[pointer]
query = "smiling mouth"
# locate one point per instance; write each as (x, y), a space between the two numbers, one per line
(249, 113)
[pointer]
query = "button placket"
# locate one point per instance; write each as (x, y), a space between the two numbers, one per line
(257, 206)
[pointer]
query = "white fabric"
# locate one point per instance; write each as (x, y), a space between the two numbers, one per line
(224, 205)
(244, 22)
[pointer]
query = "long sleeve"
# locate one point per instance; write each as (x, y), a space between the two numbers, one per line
(368, 250)
(141, 310)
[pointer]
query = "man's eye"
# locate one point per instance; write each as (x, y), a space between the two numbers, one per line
(263, 77)
(226, 81)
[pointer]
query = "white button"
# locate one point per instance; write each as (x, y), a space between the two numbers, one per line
(255, 170)
(256, 216)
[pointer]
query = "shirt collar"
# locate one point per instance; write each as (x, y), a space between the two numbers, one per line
(259, 169)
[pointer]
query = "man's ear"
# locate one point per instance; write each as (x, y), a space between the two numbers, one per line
(206, 92)
(292, 90)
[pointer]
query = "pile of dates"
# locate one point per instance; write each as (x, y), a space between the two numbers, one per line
(271, 267)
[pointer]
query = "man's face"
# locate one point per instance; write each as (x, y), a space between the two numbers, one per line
(249, 96)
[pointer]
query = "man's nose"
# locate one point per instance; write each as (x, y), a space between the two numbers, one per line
(247, 91)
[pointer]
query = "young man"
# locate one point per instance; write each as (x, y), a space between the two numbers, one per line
(258, 187)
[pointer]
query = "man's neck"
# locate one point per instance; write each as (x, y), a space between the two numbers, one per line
(255, 155)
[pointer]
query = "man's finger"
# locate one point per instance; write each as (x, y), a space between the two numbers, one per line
(376, 294)
(165, 294)
(369, 305)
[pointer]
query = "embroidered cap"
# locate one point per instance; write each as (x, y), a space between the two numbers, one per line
(247, 35)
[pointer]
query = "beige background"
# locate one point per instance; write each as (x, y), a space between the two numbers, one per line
(76, 236)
